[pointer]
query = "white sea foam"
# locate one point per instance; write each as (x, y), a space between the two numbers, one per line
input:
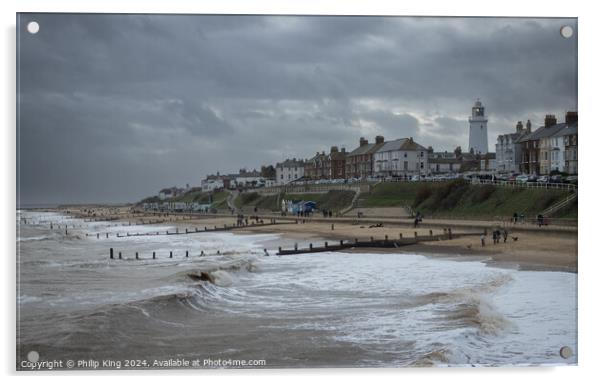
(399, 309)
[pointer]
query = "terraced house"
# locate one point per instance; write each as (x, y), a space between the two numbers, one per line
(545, 149)
(289, 170)
(508, 148)
(399, 158)
(327, 166)
(360, 161)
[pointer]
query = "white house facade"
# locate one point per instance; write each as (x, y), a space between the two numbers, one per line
(212, 184)
(289, 170)
(401, 157)
(508, 149)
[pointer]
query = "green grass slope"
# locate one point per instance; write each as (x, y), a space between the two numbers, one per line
(463, 200)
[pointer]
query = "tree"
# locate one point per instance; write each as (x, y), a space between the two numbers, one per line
(458, 151)
(268, 171)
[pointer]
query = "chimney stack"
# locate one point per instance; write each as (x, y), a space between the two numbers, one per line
(570, 118)
(519, 127)
(549, 121)
(333, 149)
(528, 126)
(363, 142)
(379, 139)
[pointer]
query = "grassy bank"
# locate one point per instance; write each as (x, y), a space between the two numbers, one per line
(216, 199)
(331, 200)
(460, 199)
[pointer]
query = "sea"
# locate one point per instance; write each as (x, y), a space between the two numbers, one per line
(236, 306)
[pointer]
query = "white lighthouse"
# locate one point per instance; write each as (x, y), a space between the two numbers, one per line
(477, 139)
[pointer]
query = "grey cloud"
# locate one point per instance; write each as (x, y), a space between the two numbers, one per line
(114, 107)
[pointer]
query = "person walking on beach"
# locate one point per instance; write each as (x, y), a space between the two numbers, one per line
(482, 240)
(494, 236)
(505, 234)
(514, 218)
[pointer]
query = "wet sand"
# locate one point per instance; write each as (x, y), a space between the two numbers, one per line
(532, 250)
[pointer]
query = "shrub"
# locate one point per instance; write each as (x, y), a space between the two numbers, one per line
(423, 193)
(247, 198)
(483, 193)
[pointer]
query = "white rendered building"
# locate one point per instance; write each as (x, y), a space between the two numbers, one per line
(401, 157)
(289, 170)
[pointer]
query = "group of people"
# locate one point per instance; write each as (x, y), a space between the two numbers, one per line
(327, 213)
(241, 220)
(417, 219)
(516, 218)
(303, 213)
(496, 235)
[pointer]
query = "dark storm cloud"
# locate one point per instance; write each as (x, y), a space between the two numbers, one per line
(114, 107)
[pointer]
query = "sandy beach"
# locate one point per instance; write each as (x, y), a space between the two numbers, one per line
(532, 250)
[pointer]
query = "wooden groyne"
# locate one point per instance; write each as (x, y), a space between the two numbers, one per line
(154, 255)
(188, 231)
(376, 243)
(332, 247)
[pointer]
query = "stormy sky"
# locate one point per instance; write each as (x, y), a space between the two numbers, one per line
(111, 108)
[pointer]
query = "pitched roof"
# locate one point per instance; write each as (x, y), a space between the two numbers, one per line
(543, 132)
(365, 149)
(361, 150)
(401, 144)
(568, 130)
(288, 163)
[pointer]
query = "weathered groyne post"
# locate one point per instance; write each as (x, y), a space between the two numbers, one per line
(136, 255)
(111, 253)
(154, 255)
(171, 254)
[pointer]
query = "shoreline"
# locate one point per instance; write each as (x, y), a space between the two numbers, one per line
(533, 251)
